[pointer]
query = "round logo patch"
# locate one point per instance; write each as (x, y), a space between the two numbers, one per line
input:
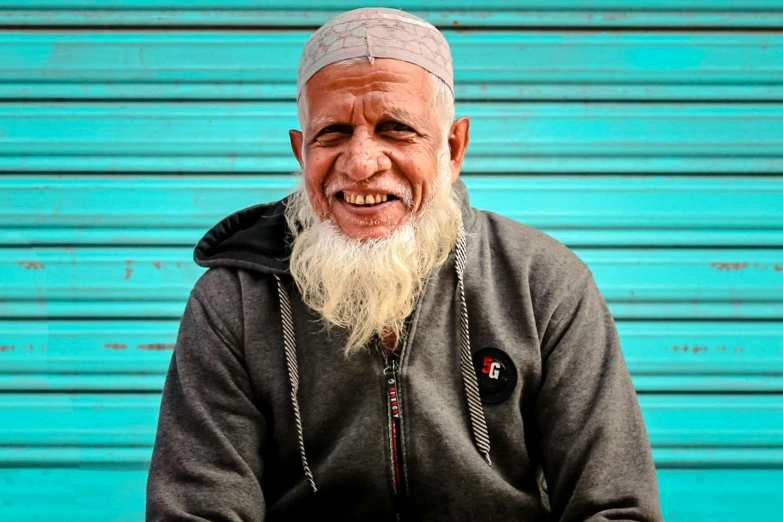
(497, 375)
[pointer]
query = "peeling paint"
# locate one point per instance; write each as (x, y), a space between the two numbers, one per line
(696, 349)
(729, 266)
(31, 265)
(692, 349)
(7, 348)
(156, 264)
(128, 269)
(743, 266)
(156, 346)
(116, 346)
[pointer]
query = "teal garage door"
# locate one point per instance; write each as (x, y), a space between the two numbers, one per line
(645, 134)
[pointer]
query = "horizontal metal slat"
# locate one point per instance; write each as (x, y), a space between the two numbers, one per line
(706, 348)
(134, 355)
(109, 457)
(143, 346)
(713, 420)
(124, 382)
(104, 309)
(78, 420)
(67, 494)
(525, 66)
(506, 138)
(87, 347)
(168, 274)
(89, 274)
(572, 237)
(625, 13)
(695, 310)
(130, 420)
(708, 383)
(720, 495)
(711, 205)
(118, 458)
(95, 494)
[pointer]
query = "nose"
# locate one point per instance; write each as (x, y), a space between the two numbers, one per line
(363, 158)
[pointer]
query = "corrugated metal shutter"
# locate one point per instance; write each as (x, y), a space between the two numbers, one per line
(645, 134)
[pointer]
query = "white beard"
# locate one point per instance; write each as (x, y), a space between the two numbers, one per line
(369, 288)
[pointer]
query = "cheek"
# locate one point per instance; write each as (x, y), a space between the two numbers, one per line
(315, 173)
(422, 173)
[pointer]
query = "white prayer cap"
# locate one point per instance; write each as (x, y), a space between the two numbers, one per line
(376, 33)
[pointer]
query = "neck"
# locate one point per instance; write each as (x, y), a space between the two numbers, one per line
(389, 342)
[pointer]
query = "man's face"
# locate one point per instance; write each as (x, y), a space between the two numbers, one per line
(371, 145)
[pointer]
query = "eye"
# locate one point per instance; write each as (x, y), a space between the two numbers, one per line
(333, 131)
(395, 127)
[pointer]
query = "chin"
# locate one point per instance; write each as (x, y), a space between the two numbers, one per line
(368, 234)
(367, 230)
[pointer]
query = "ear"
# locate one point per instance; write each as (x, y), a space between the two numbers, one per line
(297, 138)
(459, 136)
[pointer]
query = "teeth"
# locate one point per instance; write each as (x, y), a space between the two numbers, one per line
(369, 199)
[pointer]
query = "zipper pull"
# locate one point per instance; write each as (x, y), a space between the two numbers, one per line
(391, 388)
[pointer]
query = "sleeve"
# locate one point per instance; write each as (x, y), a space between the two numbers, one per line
(206, 462)
(593, 444)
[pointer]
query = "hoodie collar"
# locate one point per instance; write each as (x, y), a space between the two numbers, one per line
(257, 238)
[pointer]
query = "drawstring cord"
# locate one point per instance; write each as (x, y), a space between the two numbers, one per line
(469, 380)
(289, 343)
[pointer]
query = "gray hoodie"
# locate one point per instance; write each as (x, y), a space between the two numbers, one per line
(264, 418)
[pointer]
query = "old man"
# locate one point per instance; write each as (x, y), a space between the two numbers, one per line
(373, 348)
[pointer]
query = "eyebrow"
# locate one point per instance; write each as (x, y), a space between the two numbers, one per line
(320, 121)
(402, 116)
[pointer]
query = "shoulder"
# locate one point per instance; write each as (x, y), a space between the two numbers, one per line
(218, 292)
(231, 295)
(523, 274)
(218, 285)
(527, 252)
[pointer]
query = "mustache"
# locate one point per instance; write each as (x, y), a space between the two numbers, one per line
(398, 189)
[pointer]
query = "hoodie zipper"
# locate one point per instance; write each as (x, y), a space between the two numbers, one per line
(391, 375)
(392, 395)
(395, 432)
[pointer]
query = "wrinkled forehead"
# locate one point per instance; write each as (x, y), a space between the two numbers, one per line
(368, 92)
(376, 33)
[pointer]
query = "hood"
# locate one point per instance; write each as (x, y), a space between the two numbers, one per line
(257, 238)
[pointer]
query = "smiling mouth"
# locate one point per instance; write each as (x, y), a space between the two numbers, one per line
(365, 200)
